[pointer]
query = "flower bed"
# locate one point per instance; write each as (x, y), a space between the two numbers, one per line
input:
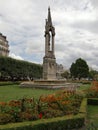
(92, 92)
(58, 123)
(55, 105)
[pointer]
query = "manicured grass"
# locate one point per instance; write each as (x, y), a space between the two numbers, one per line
(13, 92)
(84, 87)
(93, 114)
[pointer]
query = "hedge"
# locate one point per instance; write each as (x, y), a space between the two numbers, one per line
(59, 123)
(17, 70)
(83, 107)
(92, 101)
(9, 83)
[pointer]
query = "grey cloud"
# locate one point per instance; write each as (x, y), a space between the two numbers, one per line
(94, 3)
(90, 26)
(23, 22)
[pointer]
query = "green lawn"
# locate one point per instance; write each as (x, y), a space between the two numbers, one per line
(92, 114)
(84, 87)
(13, 92)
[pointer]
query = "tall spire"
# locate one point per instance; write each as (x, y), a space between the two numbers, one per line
(49, 17)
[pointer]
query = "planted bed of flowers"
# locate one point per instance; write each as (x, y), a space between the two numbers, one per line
(61, 103)
(92, 92)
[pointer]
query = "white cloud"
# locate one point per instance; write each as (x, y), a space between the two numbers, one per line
(76, 25)
(12, 55)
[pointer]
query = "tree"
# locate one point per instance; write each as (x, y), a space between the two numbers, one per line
(79, 69)
(93, 74)
(65, 74)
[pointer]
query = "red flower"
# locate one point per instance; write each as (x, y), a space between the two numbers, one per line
(40, 115)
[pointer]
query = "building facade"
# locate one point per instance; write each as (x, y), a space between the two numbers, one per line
(4, 47)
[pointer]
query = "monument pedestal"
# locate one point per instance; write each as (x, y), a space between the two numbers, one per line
(46, 84)
(49, 68)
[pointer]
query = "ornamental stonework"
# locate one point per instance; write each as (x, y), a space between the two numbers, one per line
(49, 60)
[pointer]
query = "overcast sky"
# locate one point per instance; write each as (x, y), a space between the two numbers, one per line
(76, 25)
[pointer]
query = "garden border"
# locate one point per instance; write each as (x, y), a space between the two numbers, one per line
(58, 123)
(92, 101)
(3, 83)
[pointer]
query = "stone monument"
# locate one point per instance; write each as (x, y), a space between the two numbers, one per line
(50, 80)
(49, 60)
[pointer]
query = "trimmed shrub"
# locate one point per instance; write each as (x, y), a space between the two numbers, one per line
(83, 107)
(60, 123)
(92, 101)
(9, 83)
(17, 70)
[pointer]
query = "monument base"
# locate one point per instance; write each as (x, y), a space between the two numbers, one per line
(47, 84)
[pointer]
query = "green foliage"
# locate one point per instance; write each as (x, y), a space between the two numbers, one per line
(59, 123)
(91, 93)
(93, 74)
(65, 74)
(92, 101)
(83, 107)
(9, 83)
(11, 69)
(79, 69)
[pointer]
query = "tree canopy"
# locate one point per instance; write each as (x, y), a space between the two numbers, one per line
(93, 75)
(79, 69)
(65, 74)
(13, 69)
